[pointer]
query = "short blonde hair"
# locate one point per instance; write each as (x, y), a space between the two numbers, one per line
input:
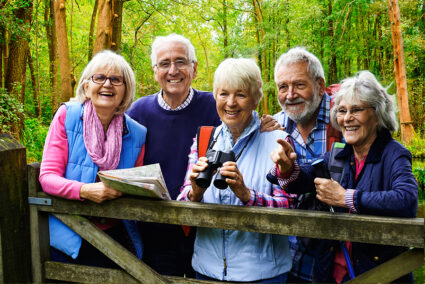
(108, 59)
(239, 73)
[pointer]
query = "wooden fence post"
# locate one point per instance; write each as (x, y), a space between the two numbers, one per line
(14, 219)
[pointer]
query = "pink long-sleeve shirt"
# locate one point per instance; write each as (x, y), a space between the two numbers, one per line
(55, 159)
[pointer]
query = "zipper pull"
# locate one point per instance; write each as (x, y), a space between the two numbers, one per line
(225, 267)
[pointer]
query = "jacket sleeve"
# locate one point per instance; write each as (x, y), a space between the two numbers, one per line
(400, 199)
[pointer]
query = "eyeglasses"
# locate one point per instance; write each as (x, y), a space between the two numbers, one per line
(355, 111)
(179, 64)
(101, 79)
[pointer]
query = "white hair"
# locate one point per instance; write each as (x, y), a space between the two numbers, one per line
(109, 59)
(364, 87)
(161, 40)
(300, 54)
(239, 73)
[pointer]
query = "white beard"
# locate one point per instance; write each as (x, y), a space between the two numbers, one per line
(310, 108)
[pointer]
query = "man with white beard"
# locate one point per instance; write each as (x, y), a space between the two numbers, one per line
(305, 115)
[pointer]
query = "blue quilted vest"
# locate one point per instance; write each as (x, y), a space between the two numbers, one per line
(80, 167)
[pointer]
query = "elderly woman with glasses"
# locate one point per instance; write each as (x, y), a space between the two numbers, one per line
(85, 137)
(229, 255)
(376, 175)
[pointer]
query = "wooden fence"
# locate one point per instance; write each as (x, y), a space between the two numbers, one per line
(358, 228)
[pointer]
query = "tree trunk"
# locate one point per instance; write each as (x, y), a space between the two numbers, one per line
(225, 36)
(15, 73)
(92, 25)
(260, 41)
(117, 26)
(332, 77)
(49, 19)
(104, 26)
(35, 96)
(407, 131)
(63, 50)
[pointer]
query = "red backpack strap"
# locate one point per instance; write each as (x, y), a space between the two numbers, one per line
(204, 138)
(332, 134)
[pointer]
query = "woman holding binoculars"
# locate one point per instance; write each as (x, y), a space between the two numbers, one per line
(241, 154)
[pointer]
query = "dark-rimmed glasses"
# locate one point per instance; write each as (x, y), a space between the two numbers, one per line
(101, 79)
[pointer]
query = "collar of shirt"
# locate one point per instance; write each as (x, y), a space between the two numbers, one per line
(165, 106)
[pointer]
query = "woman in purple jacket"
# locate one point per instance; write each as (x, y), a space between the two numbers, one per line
(377, 174)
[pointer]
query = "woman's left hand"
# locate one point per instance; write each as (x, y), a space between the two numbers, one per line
(330, 192)
(234, 179)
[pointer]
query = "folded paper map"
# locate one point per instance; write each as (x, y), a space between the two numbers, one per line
(143, 181)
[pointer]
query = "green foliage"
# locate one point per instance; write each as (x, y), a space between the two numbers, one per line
(33, 139)
(417, 148)
(11, 111)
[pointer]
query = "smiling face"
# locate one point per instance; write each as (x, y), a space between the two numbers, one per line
(235, 106)
(359, 129)
(174, 81)
(298, 93)
(105, 97)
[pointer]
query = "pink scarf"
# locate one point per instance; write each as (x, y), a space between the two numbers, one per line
(104, 152)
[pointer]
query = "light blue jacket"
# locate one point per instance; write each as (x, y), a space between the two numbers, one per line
(80, 167)
(248, 256)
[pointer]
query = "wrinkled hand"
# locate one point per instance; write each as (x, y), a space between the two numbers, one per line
(98, 192)
(330, 192)
(235, 181)
(284, 156)
(268, 123)
(197, 192)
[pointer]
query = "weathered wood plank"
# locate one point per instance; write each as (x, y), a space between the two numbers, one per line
(111, 248)
(85, 274)
(14, 212)
(392, 269)
(88, 274)
(326, 225)
(39, 228)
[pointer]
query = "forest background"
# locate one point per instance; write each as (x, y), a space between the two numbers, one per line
(44, 52)
(45, 44)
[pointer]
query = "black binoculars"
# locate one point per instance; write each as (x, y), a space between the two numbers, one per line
(215, 161)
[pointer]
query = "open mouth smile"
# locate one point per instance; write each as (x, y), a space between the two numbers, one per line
(106, 94)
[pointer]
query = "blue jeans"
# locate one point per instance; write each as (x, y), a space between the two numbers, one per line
(278, 279)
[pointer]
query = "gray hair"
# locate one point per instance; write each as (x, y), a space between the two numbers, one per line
(300, 54)
(364, 87)
(239, 73)
(161, 40)
(108, 59)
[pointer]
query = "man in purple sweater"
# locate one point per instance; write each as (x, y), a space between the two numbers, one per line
(172, 117)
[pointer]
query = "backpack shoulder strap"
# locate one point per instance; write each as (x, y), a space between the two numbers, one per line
(332, 134)
(336, 166)
(204, 137)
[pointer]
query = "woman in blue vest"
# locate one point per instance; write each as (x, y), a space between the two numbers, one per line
(230, 255)
(376, 177)
(85, 137)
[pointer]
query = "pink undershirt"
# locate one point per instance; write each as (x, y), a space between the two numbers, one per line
(55, 159)
(340, 265)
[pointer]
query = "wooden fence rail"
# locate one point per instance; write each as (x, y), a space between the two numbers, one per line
(337, 226)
